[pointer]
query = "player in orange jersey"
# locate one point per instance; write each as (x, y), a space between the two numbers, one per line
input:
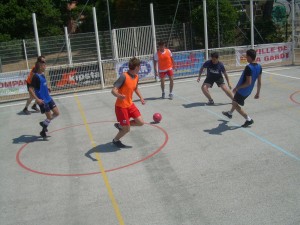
(165, 62)
(125, 109)
(28, 81)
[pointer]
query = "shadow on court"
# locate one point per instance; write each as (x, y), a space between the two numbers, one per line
(198, 104)
(222, 127)
(27, 139)
(109, 147)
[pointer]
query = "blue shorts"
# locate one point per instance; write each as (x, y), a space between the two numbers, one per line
(46, 107)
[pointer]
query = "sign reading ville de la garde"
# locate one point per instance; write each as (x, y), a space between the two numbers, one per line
(274, 53)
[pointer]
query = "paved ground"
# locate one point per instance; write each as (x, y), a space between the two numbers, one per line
(195, 167)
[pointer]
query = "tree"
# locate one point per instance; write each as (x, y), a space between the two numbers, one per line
(16, 19)
(227, 22)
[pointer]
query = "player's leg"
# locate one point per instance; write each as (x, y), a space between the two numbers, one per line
(136, 115)
(171, 79)
(123, 126)
(205, 86)
(162, 84)
(227, 91)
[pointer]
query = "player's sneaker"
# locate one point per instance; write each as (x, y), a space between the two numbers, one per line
(227, 114)
(119, 144)
(118, 126)
(171, 96)
(25, 111)
(43, 134)
(210, 102)
(163, 95)
(248, 123)
(34, 107)
(44, 126)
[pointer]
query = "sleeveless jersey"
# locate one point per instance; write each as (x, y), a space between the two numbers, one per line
(127, 89)
(164, 60)
(255, 71)
(43, 92)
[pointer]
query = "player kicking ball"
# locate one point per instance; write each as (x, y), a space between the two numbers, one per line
(125, 109)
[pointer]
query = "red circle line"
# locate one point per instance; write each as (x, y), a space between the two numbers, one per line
(292, 97)
(91, 173)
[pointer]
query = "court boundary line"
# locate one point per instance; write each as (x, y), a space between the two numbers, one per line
(280, 149)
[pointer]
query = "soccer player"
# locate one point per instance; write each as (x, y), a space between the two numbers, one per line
(39, 90)
(244, 87)
(28, 81)
(125, 109)
(163, 57)
(215, 68)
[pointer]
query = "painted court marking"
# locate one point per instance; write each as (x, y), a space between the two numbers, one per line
(278, 148)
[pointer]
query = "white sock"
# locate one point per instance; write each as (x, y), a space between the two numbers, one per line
(248, 118)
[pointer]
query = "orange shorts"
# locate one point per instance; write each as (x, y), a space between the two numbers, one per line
(124, 114)
(168, 72)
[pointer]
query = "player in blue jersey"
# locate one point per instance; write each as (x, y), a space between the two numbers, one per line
(215, 69)
(245, 85)
(40, 91)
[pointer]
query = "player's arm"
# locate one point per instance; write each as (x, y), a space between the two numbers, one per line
(204, 65)
(115, 90)
(138, 93)
(258, 87)
(35, 83)
(227, 78)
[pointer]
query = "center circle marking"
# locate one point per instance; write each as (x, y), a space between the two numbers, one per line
(19, 161)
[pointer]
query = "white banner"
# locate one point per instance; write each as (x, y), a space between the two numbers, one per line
(13, 83)
(274, 53)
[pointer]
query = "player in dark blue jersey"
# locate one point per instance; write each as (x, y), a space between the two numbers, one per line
(244, 87)
(215, 69)
(40, 91)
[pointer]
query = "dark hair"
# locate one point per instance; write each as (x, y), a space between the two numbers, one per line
(38, 66)
(214, 55)
(251, 53)
(161, 43)
(133, 63)
(41, 59)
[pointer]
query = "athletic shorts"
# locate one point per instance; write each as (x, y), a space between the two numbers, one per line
(240, 99)
(46, 107)
(168, 72)
(124, 114)
(211, 80)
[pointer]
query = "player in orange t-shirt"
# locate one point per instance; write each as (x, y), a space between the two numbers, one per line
(125, 109)
(28, 81)
(164, 58)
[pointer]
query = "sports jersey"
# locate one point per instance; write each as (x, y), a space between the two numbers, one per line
(253, 70)
(164, 60)
(126, 85)
(214, 70)
(30, 75)
(39, 83)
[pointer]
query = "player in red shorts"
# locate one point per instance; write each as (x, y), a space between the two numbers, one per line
(165, 61)
(125, 109)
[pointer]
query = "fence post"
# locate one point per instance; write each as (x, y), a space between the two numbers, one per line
(116, 55)
(184, 37)
(252, 24)
(293, 32)
(68, 44)
(205, 29)
(36, 35)
(98, 47)
(153, 28)
(25, 53)
(0, 65)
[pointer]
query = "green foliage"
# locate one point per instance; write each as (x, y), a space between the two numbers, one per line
(227, 22)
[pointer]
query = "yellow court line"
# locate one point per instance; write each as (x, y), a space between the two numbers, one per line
(98, 157)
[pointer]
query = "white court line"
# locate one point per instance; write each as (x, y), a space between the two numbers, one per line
(233, 74)
(276, 74)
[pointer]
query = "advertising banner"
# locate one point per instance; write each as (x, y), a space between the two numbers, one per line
(146, 71)
(265, 55)
(13, 83)
(74, 76)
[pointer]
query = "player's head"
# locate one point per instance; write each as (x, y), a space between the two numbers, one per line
(41, 59)
(161, 46)
(251, 55)
(134, 64)
(214, 57)
(39, 67)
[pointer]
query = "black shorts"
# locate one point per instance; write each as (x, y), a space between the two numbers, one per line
(211, 80)
(46, 107)
(240, 99)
